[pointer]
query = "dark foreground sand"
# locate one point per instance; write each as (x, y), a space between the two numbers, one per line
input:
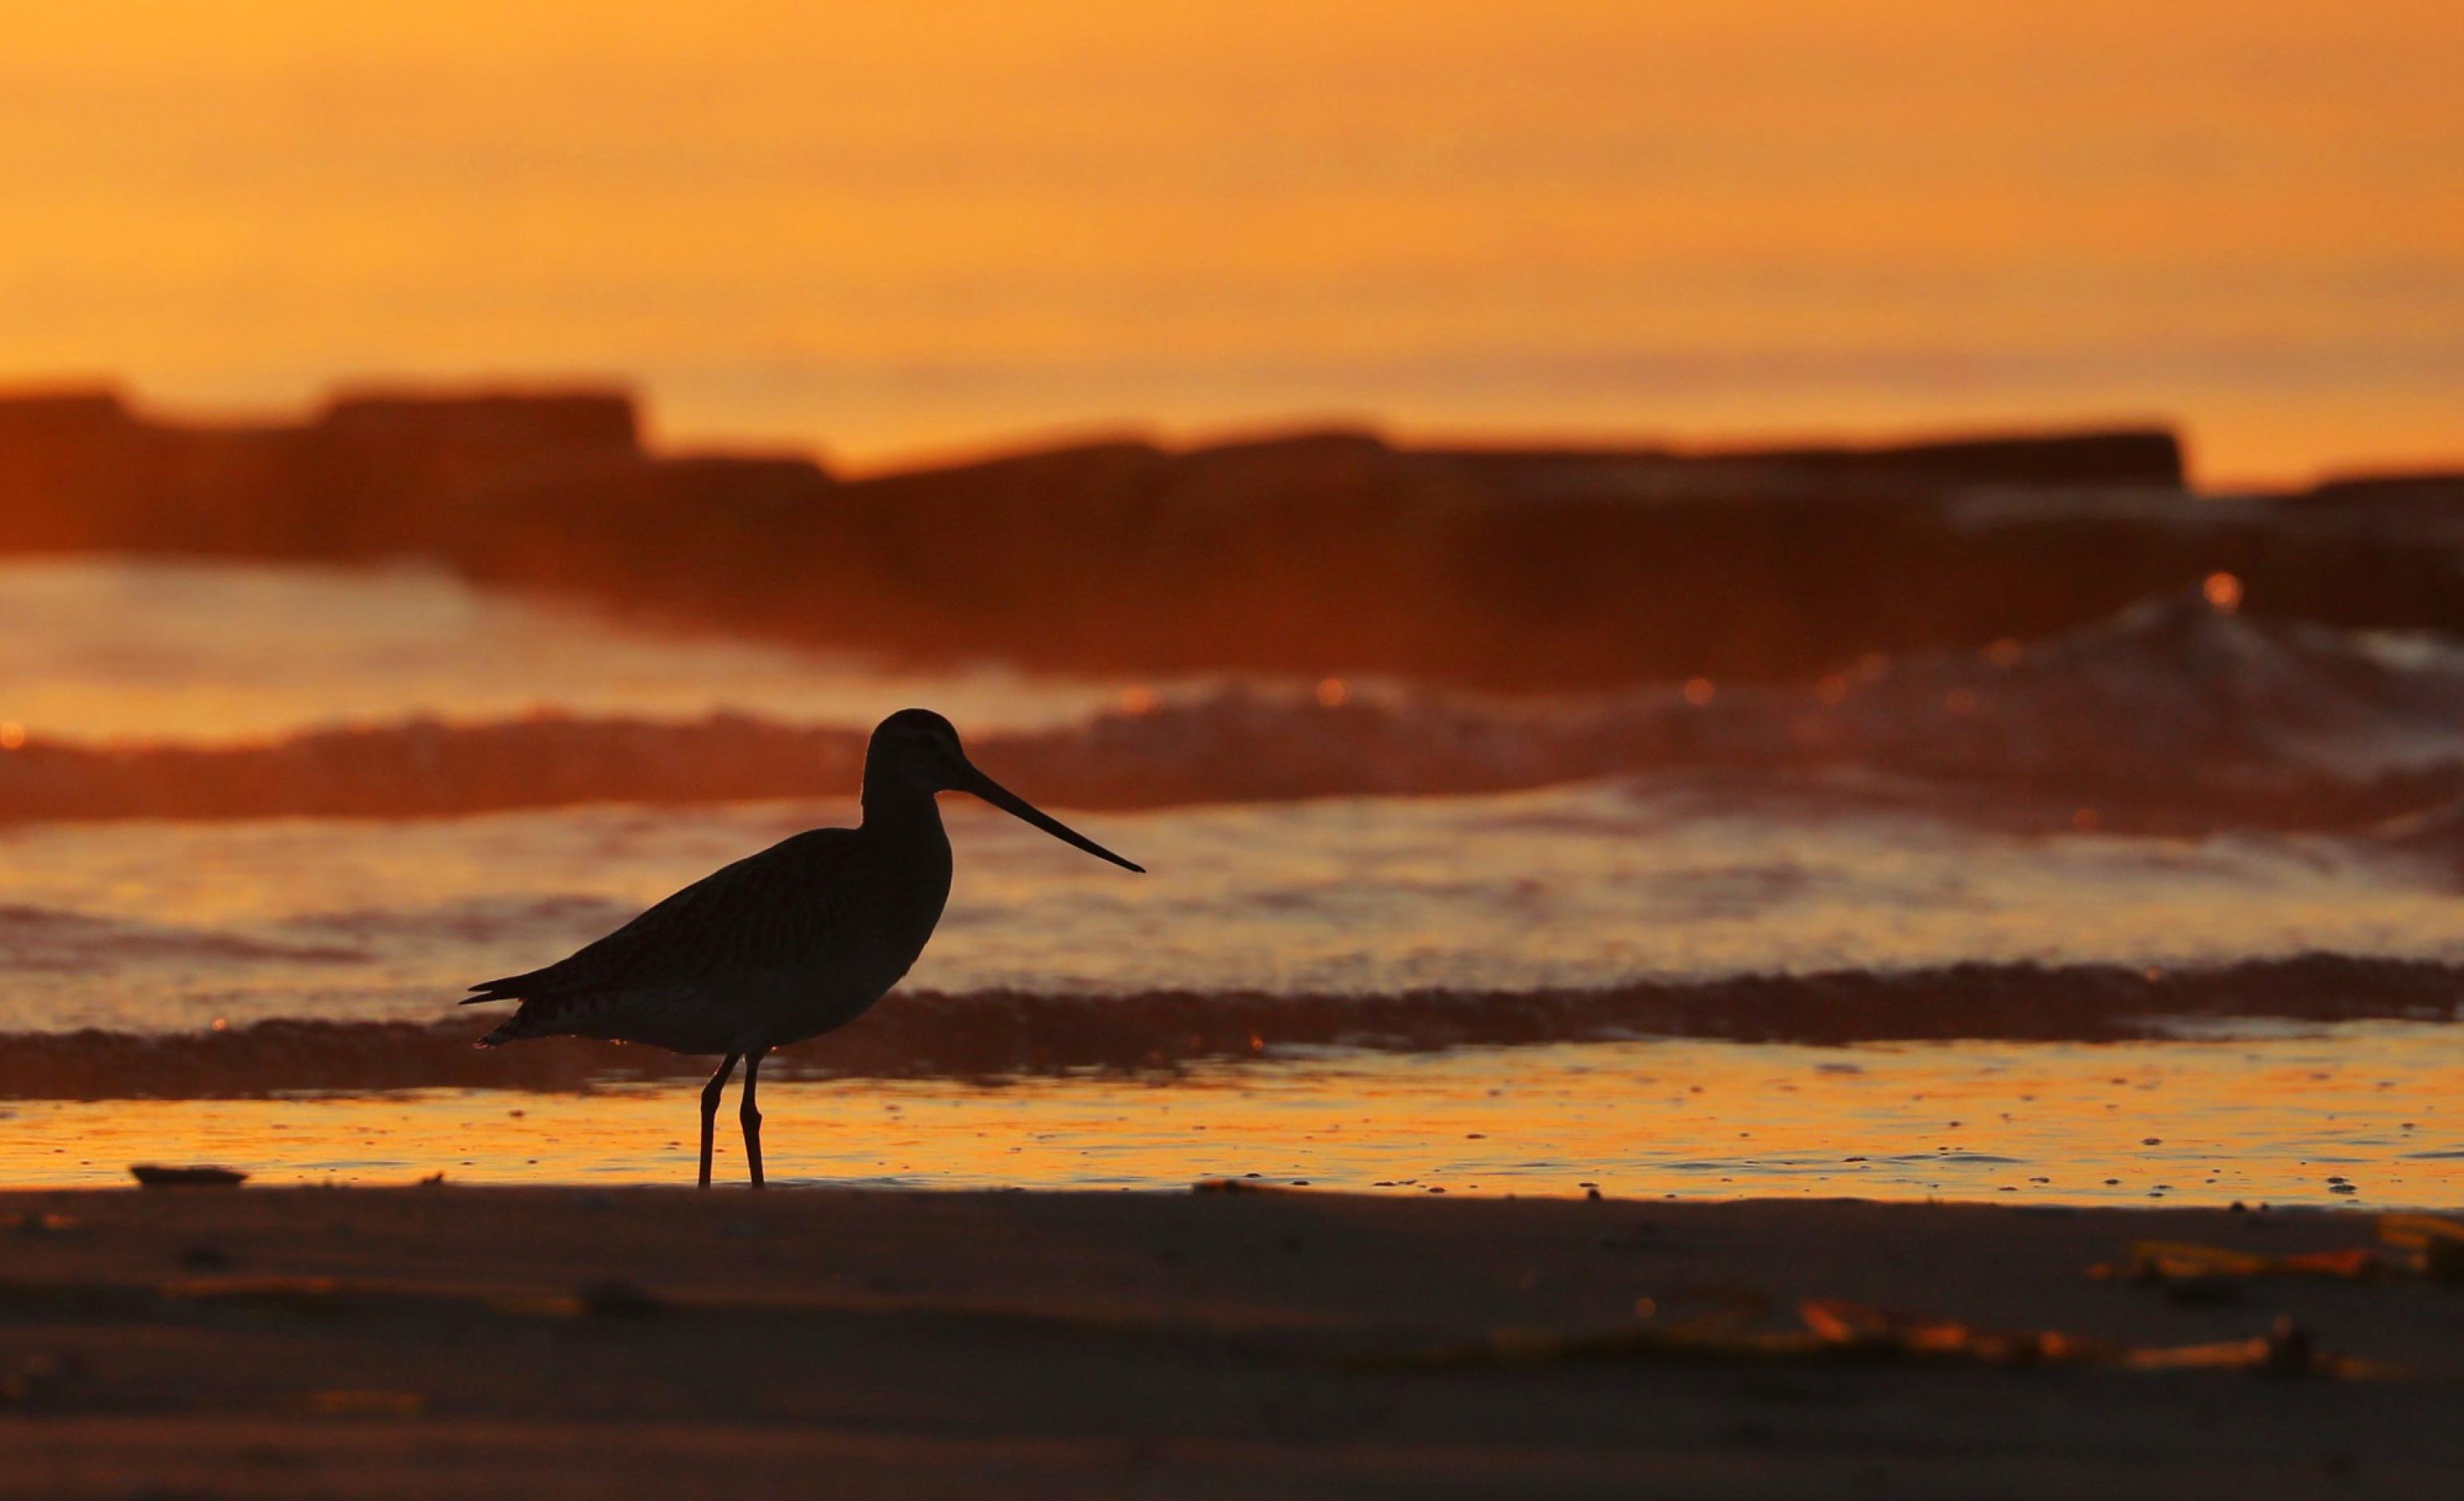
(803, 1342)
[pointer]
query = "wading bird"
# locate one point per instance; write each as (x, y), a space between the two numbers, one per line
(790, 943)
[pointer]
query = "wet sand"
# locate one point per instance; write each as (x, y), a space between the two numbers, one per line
(2353, 1116)
(542, 1342)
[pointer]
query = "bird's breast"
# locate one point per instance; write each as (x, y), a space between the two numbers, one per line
(882, 921)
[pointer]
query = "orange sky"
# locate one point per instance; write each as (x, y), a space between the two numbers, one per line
(876, 231)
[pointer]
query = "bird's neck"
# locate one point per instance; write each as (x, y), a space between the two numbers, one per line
(892, 804)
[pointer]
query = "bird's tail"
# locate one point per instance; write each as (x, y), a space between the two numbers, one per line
(544, 1016)
(523, 1023)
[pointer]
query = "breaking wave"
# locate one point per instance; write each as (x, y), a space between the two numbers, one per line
(2174, 716)
(992, 1034)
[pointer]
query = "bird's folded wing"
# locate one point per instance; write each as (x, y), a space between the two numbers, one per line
(765, 911)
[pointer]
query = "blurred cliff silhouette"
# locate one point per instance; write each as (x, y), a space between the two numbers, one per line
(1312, 552)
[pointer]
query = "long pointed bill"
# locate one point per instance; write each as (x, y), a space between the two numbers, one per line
(1009, 801)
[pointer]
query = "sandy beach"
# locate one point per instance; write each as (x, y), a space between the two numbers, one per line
(419, 1341)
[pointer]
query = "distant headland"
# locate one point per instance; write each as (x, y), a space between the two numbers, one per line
(1330, 551)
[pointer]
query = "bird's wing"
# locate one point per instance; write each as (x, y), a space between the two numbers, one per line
(765, 911)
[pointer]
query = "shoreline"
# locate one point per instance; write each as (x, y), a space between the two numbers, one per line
(1000, 1034)
(636, 1342)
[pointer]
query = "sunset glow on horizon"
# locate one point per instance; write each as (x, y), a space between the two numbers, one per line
(882, 234)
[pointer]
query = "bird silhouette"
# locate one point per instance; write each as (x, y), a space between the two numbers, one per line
(790, 943)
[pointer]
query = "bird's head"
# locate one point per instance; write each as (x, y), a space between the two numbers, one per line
(917, 747)
(917, 751)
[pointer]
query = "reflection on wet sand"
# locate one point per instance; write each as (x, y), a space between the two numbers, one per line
(2350, 1114)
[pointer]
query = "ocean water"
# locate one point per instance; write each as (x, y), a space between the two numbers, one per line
(1834, 892)
(163, 925)
(96, 649)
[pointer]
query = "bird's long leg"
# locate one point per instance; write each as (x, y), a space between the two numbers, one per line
(709, 1093)
(751, 1117)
